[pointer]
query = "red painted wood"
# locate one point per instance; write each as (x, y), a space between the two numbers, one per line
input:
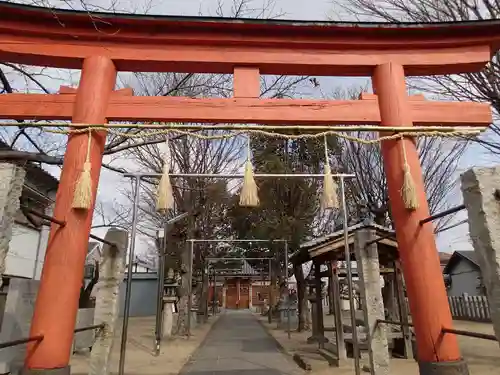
(245, 110)
(246, 82)
(73, 90)
(53, 38)
(57, 301)
(215, 59)
(416, 244)
(34, 36)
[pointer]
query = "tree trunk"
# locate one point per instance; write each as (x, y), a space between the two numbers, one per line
(199, 295)
(301, 299)
(182, 327)
(272, 297)
(203, 305)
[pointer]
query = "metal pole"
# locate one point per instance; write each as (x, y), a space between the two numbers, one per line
(288, 322)
(43, 216)
(93, 236)
(239, 175)
(349, 281)
(190, 287)
(177, 218)
(214, 292)
(442, 214)
(476, 335)
(206, 279)
(128, 291)
(230, 240)
(228, 259)
(269, 313)
(159, 296)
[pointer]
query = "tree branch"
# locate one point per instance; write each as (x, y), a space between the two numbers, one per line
(14, 155)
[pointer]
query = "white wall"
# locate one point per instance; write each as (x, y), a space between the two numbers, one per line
(23, 248)
(44, 239)
(27, 249)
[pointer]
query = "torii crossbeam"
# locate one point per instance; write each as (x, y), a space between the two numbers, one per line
(245, 110)
(104, 44)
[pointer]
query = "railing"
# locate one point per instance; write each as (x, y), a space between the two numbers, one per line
(394, 323)
(8, 344)
(469, 308)
(39, 338)
(477, 335)
(90, 328)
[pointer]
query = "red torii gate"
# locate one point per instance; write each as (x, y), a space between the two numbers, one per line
(104, 44)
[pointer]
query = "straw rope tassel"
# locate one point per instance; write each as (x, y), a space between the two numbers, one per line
(249, 196)
(329, 199)
(164, 194)
(82, 198)
(408, 190)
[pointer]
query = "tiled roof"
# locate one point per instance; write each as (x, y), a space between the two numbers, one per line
(247, 269)
(339, 232)
(470, 255)
(464, 254)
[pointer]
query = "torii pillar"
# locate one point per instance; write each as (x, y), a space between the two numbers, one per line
(57, 301)
(437, 353)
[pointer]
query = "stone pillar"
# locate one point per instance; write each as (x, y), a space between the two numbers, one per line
(319, 303)
(16, 321)
(224, 291)
(314, 322)
(318, 334)
(437, 354)
(481, 191)
(168, 319)
(337, 310)
(373, 306)
(11, 188)
(111, 272)
(403, 310)
(57, 302)
(390, 297)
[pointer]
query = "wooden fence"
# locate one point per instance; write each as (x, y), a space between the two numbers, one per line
(472, 308)
(475, 308)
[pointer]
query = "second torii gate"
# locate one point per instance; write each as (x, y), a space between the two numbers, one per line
(103, 44)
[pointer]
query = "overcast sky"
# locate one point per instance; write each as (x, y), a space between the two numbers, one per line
(291, 9)
(456, 239)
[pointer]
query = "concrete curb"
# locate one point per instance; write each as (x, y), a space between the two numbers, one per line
(301, 362)
(297, 358)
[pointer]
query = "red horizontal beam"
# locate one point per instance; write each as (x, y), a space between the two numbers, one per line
(291, 60)
(56, 38)
(244, 110)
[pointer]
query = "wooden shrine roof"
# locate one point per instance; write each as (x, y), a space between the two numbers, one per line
(332, 245)
(236, 268)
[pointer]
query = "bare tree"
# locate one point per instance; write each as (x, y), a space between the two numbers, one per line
(439, 158)
(483, 86)
(194, 155)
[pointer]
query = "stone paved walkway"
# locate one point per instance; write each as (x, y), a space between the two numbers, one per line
(238, 344)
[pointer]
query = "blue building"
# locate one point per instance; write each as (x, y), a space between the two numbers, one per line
(462, 275)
